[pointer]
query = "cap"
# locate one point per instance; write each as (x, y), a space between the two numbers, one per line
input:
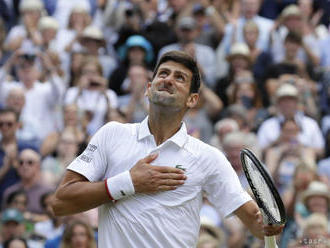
(81, 8)
(239, 49)
(316, 188)
(26, 5)
(48, 22)
(187, 22)
(291, 10)
(287, 90)
(12, 214)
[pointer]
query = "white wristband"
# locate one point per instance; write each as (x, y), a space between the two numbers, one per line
(121, 185)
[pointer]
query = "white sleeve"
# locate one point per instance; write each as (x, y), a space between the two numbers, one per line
(92, 163)
(223, 188)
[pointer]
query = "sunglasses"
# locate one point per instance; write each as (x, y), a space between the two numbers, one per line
(6, 123)
(28, 162)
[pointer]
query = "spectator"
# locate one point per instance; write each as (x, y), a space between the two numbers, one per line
(282, 158)
(239, 60)
(29, 172)
(15, 243)
(92, 41)
(53, 166)
(234, 31)
(221, 128)
(11, 224)
(41, 98)
(26, 35)
(187, 32)
(17, 199)
(291, 21)
(244, 92)
(78, 234)
(53, 226)
(287, 105)
(136, 51)
(134, 104)
(48, 28)
(210, 234)
(10, 146)
(92, 94)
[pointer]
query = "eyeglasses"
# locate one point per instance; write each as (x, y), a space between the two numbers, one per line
(28, 162)
(6, 123)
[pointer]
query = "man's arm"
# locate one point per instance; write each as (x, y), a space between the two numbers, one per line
(250, 215)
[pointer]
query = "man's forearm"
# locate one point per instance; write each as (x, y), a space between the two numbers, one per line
(79, 196)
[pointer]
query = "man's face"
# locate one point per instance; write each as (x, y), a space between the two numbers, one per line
(250, 8)
(232, 152)
(293, 23)
(8, 125)
(291, 49)
(11, 229)
(29, 164)
(171, 87)
(186, 35)
(317, 204)
(288, 106)
(27, 71)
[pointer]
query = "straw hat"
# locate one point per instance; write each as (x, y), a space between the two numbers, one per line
(316, 188)
(239, 49)
(92, 32)
(48, 22)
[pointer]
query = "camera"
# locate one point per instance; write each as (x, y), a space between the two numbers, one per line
(94, 84)
(28, 57)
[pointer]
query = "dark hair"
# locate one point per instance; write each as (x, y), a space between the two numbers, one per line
(7, 242)
(187, 61)
(43, 198)
(12, 196)
(293, 37)
(9, 111)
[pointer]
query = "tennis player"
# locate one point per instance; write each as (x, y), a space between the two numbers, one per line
(147, 178)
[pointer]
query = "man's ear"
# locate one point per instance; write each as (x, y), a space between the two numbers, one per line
(147, 89)
(192, 100)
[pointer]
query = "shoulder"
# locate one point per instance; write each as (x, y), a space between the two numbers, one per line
(202, 151)
(116, 129)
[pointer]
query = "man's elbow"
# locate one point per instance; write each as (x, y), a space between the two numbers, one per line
(59, 209)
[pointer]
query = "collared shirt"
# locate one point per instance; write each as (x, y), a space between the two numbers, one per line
(164, 219)
(310, 134)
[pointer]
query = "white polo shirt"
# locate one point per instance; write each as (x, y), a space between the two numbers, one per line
(165, 219)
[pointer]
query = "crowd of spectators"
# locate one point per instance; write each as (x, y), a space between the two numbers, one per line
(69, 66)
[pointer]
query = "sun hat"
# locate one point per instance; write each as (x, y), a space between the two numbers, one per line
(316, 188)
(92, 32)
(48, 22)
(239, 49)
(137, 41)
(208, 225)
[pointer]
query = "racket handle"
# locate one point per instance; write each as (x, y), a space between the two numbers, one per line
(270, 242)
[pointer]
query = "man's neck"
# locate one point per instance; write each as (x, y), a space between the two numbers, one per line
(163, 125)
(27, 184)
(8, 141)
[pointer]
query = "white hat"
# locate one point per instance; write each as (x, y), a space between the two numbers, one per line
(287, 90)
(26, 5)
(239, 49)
(316, 219)
(48, 22)
(209, 225)
(187, 22)
(81, 8)
(291, 10)
(316, 188)
(93, 32)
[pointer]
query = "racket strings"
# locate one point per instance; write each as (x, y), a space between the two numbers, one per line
(262, 189)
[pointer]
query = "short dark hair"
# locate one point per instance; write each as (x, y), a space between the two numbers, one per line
(294, 37)
(187, 61)
(10, 111)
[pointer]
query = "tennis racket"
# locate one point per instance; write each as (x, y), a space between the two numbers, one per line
(265, 193)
